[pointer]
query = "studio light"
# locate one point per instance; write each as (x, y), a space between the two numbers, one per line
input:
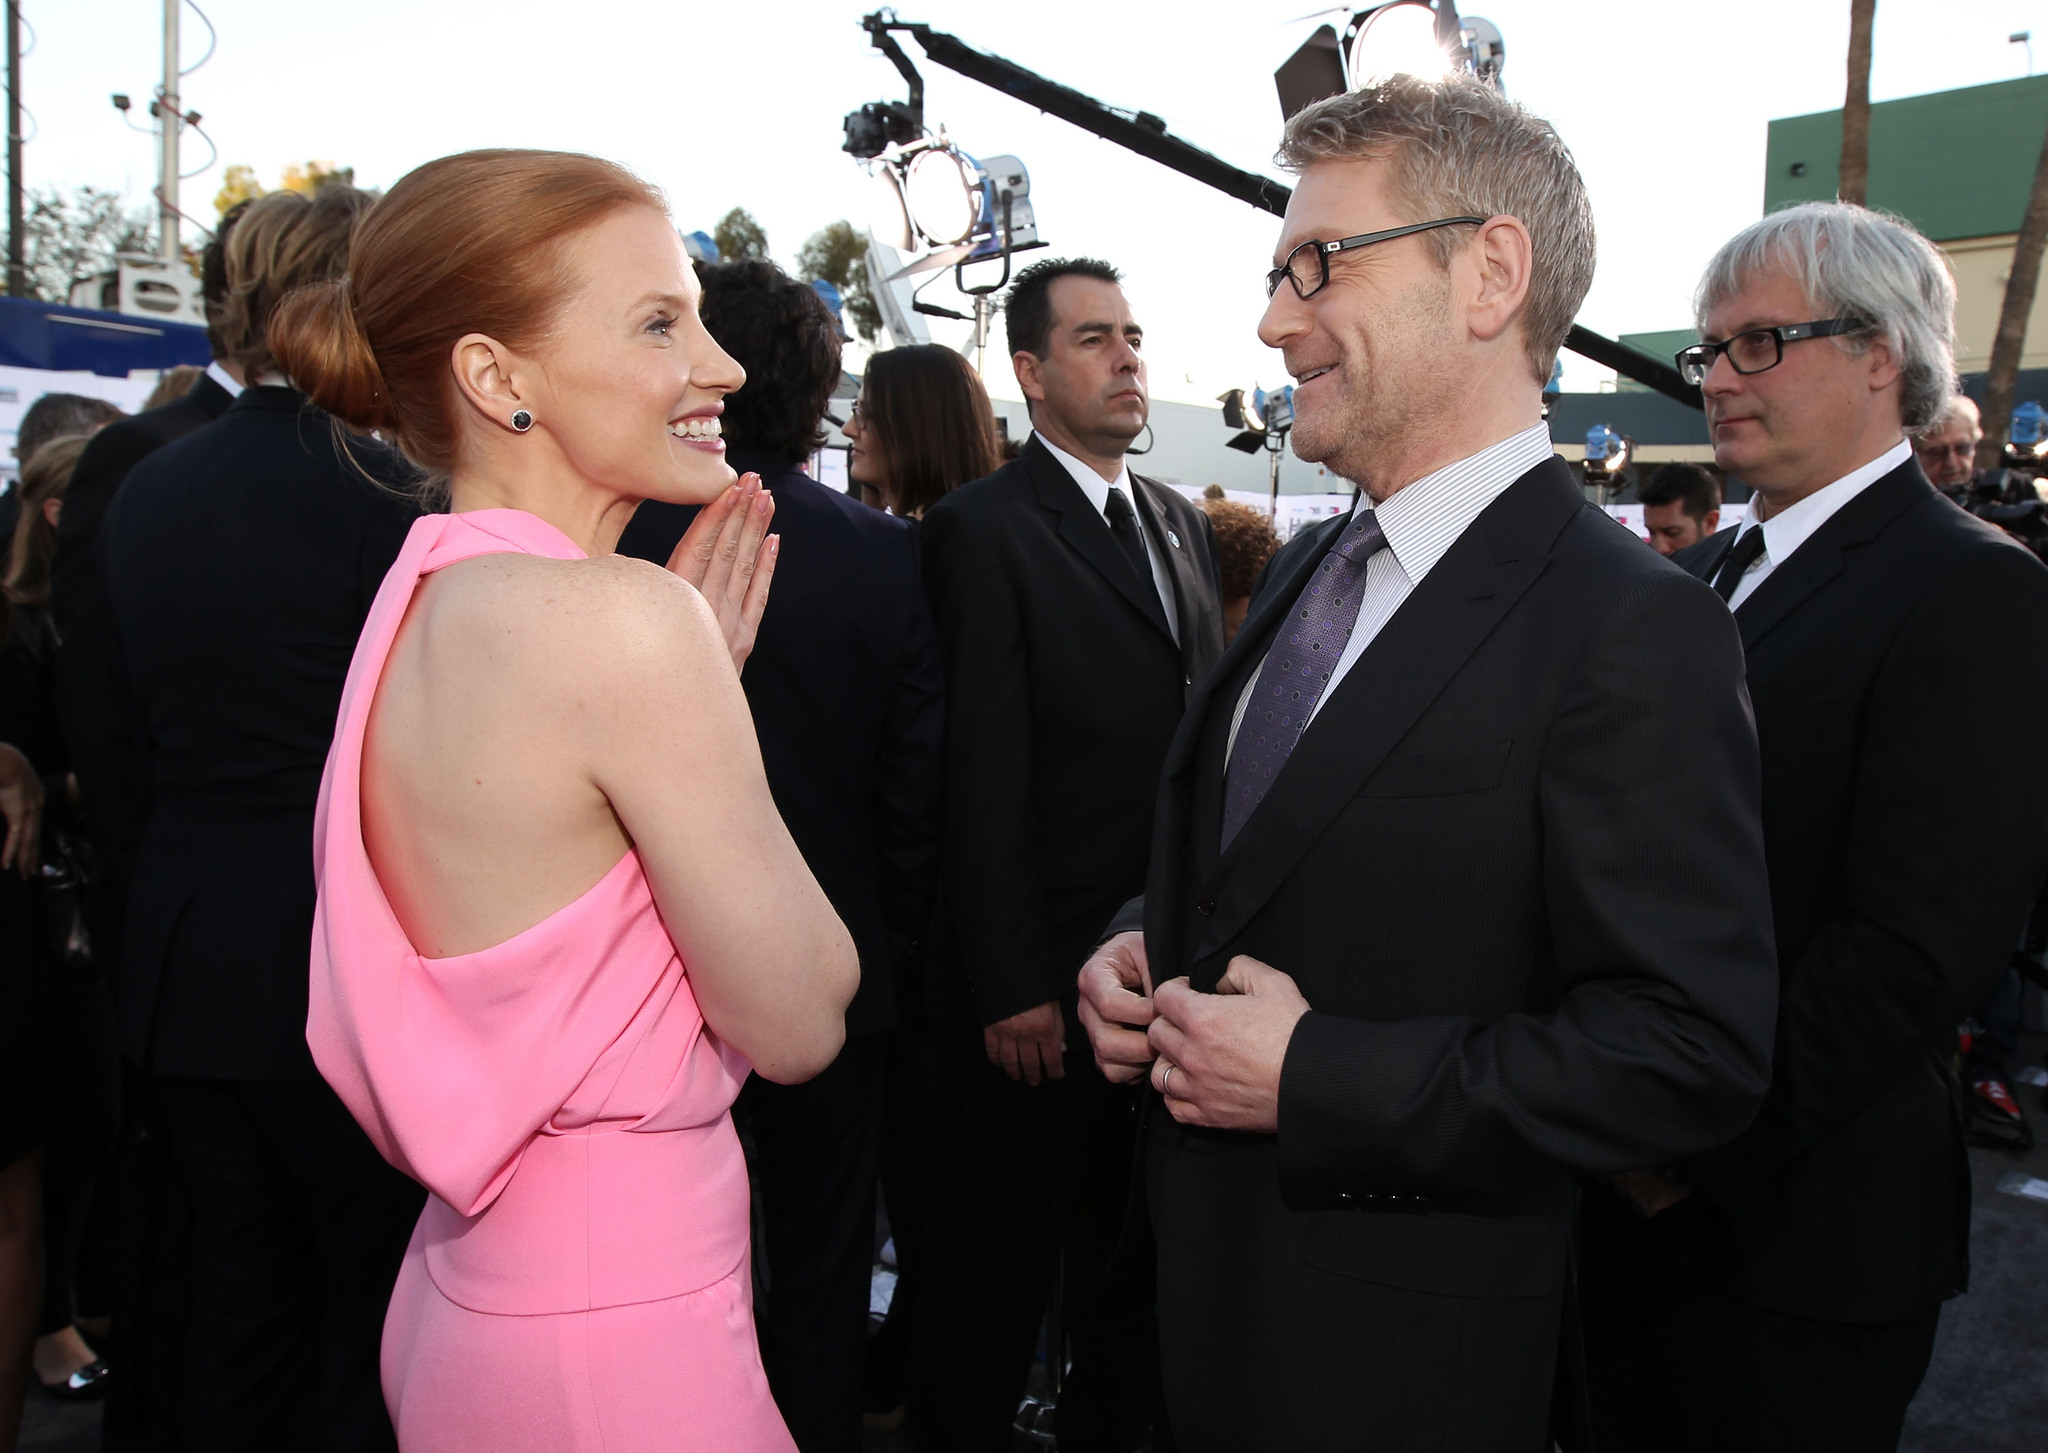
(1423, 38)
(1399, 40)
(1262, 421)
(943, 195)
(1607, 454)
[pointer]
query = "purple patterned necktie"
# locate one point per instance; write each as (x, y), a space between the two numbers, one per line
(1297, 671)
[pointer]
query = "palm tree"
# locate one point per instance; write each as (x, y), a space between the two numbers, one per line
(1854, 173)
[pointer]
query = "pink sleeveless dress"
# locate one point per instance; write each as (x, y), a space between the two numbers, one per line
(579, 1278)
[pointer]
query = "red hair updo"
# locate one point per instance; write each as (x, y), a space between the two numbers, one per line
(472, 243)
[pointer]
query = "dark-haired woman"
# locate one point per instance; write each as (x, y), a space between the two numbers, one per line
(921, 427)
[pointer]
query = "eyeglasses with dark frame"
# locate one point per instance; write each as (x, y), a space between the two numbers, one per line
(1297, 261)
(1758, 350)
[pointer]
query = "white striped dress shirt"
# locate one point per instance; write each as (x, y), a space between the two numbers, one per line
(1421, 522)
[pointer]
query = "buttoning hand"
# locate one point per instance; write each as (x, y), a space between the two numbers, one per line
(1220, 1054)
(1116, 1007)
(1650, 1192)
(728, 554)
(1029, 1046)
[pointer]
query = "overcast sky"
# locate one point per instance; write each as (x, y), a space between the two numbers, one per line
(726, 104)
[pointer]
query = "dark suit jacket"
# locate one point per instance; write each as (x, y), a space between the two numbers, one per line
(1063, 689)
(90, 706)
(1889, 659)
(848, 704)
(1516, 868)
(240, 563)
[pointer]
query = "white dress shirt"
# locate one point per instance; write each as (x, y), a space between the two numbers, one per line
(1097, 489)
(225, 379)
(1421, 522)
(1794, 525)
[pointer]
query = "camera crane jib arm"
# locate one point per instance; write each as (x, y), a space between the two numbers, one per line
(1147, 135)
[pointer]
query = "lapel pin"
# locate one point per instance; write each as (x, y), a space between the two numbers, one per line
(1173, 539)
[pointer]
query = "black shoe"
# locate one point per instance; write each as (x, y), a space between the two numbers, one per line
(83, 1386)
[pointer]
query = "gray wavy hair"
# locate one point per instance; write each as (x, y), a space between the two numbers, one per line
(1855, 262)
(1459, 147)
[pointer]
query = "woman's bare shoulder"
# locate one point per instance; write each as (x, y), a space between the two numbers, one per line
(580, 619)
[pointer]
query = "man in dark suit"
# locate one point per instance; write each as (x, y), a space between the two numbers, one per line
(1077, 604)
(1423, 935)
(847, 700)
(240, 564)
(140, 1192)
(1785, 1294)
(89, 705)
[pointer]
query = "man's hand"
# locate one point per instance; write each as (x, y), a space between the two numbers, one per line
(1029, 1046)
(1650, 1192)
(1220, 1054)
(728, 554)
(1116, 1007)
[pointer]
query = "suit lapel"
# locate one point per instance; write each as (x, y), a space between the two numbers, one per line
(1820, 558)
(1086, 533)
(1406, 667)
(1705, 560)
(1175, 549)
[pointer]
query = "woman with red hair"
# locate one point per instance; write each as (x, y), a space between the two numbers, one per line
(559, 917)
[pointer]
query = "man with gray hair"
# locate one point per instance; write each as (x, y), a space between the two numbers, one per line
(1782, 1291)
(1415, 949)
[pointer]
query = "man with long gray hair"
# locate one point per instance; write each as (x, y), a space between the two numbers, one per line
(1782, 1291)
(1422, 937)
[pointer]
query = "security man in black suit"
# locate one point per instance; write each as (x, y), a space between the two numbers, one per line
(1078, 604)
(848, 703)
(1457, 880)
(1785, 1290)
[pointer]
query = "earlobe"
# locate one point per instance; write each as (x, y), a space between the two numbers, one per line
(483, 372)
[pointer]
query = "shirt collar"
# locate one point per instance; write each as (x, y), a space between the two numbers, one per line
(1423, 520)
(225, 379)
(1092, 484)
(1794, 525)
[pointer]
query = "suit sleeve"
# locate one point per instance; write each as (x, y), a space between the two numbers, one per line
(1657, 1042)
(92, 706)
(1946, 852)
(908, 774)
(990, 858)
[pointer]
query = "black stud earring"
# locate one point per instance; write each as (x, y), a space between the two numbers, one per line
(521, 420)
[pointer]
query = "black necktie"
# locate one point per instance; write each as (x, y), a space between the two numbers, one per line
(1123, 523)
(1748, 546)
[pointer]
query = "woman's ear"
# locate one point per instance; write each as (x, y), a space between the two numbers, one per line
(485, 373)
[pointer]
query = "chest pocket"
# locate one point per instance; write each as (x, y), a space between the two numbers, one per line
(1441, 771)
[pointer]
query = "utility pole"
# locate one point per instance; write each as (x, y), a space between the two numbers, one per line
(17, 269)
(170, 119)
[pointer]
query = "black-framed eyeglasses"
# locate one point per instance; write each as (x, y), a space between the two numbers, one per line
(1759, 349)
(1308, 266)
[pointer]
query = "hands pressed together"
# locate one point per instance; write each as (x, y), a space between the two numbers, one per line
(728, 554)
(1215, 1057)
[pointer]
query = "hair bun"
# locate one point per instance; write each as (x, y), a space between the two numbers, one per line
(317, 342)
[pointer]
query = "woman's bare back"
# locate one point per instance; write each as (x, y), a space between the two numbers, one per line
(484, 726)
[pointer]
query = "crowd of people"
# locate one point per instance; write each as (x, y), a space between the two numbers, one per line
(1455, 979)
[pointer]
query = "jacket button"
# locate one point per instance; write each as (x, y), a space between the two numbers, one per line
(1205, 906)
